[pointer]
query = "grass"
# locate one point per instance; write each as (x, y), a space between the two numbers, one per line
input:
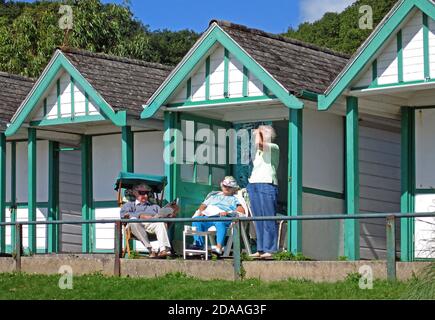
(179, 286)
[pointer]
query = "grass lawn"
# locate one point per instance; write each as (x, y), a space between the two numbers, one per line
(177, 286)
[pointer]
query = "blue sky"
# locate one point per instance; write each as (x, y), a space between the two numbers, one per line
(270, 15)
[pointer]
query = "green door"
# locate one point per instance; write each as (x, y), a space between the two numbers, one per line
(201, 172)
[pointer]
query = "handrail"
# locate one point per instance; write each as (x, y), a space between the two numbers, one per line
(390, 232)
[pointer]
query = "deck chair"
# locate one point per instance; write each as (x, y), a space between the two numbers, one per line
(211, 232)
(127, 180)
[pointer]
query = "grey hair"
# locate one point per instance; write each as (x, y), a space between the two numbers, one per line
(269, 133)
(141, 186)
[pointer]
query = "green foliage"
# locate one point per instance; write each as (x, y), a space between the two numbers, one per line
(422, 286)
(288, 256)
(179, 286)
(353, 277)
(29, 34)
(341, 32)
(342, 258)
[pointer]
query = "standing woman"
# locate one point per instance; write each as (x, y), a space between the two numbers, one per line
(263, 190)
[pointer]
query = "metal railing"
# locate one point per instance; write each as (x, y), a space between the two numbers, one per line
(391, 219)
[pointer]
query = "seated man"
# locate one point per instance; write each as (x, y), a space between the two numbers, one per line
(142, 208)
(222, 204)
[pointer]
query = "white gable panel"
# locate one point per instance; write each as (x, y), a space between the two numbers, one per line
(255, 86)
(181, 95)
(65, 96)
(235, 78)
(198, 84)
(79, 101)
(387, 61)
(217, 70)
(413, 53)
(365, 80)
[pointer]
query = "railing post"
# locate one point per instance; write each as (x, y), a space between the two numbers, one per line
(118, 248)
(391, 248)
(236, 251)
(18, 246)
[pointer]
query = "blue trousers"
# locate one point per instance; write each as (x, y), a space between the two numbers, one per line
(263, 198)
(221, 231)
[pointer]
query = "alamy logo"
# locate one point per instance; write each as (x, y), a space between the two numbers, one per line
(66, 280)
(67, 19)
(366, 20)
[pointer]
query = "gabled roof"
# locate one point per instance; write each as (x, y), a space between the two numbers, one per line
(13, 90)
(295, 64)
(370, 47)
(117, 85)
(124, 83)
(286, 67)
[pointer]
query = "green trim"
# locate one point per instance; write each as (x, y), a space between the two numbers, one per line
(169, 123)
(226, 73)
(399, 56)
(207, 78)
(425, 191)
(351, 226)
(104, 204)
(72, 99)
(217, 35)
(245, 81)
(407, 183)
(393, 85)
(45, 107)
(59, 103)
(86, 104)
(189, 89)
(375, 72)
(13, 189)
(324, 193)
(221, 101)
(87, 196)
(60, 62)
(295, 183)
(72, 120)
(31, 197)
(380, 37)
(53, 197)
(2, 191)
(426, 46)
(312, 96)
(127, 149)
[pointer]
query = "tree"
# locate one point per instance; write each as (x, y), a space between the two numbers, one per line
(29, 34)
(341, 32)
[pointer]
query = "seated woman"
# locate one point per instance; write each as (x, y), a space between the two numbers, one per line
(222, 204)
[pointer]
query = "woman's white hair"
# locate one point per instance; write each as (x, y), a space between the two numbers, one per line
(268, 132)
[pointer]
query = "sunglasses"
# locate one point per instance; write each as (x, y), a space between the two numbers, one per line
(143, 193)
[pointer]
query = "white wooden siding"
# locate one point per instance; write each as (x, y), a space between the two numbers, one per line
(8, 232)
(41, 230)
(65, 101)
(106, 165)
(70, 201)
(104, 233)
(387, 62)
(413, 53)
(216, 80)
(323, 152)
(379, 152)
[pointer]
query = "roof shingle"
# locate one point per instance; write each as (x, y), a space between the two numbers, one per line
(125, 84)
(13, 91)
(295, 64)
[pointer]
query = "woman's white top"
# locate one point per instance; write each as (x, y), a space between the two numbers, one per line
(266, 164)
